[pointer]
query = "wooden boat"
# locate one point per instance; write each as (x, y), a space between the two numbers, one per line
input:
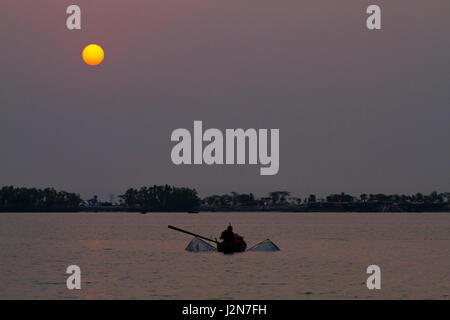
(231, 247)
(238, 244)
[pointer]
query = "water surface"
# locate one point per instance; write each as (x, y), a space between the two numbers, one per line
(134, 256)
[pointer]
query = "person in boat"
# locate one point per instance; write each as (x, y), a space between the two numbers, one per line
(232, 242)
(227, 234)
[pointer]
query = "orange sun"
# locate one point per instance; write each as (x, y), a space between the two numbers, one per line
(93, 55)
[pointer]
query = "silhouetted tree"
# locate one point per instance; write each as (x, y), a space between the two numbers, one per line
(161, 198)
(340, 198)
(32, 199)
(279, 197)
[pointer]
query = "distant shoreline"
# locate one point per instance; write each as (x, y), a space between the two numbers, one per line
(165, 198)
(287, 209)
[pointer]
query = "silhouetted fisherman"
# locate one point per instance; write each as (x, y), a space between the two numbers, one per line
(227, 234)
(232, 242)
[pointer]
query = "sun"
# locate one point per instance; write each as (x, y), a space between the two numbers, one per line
(93, 54)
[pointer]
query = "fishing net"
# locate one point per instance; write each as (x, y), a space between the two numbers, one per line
(199, 245)
(265, 246)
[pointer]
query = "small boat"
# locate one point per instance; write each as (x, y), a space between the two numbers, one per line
(193, 211)
(199, 244)
(231, 247)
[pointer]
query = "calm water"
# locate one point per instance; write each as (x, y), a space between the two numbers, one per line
(128, 255)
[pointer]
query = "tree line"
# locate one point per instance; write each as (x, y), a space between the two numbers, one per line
(33, 199)
(171, 198)
(160, 198)
(278, 198)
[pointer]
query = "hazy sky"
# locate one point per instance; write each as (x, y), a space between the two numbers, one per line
(358, 110)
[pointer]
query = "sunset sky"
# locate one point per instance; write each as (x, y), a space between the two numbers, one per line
(358, 110)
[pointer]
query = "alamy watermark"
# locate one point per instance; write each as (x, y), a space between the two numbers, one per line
(235, 146)
(374, 281)
(74, 280)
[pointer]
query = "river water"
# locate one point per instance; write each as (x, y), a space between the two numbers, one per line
(134, 256)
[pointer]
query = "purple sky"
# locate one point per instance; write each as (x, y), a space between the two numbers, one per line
(358, 110)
